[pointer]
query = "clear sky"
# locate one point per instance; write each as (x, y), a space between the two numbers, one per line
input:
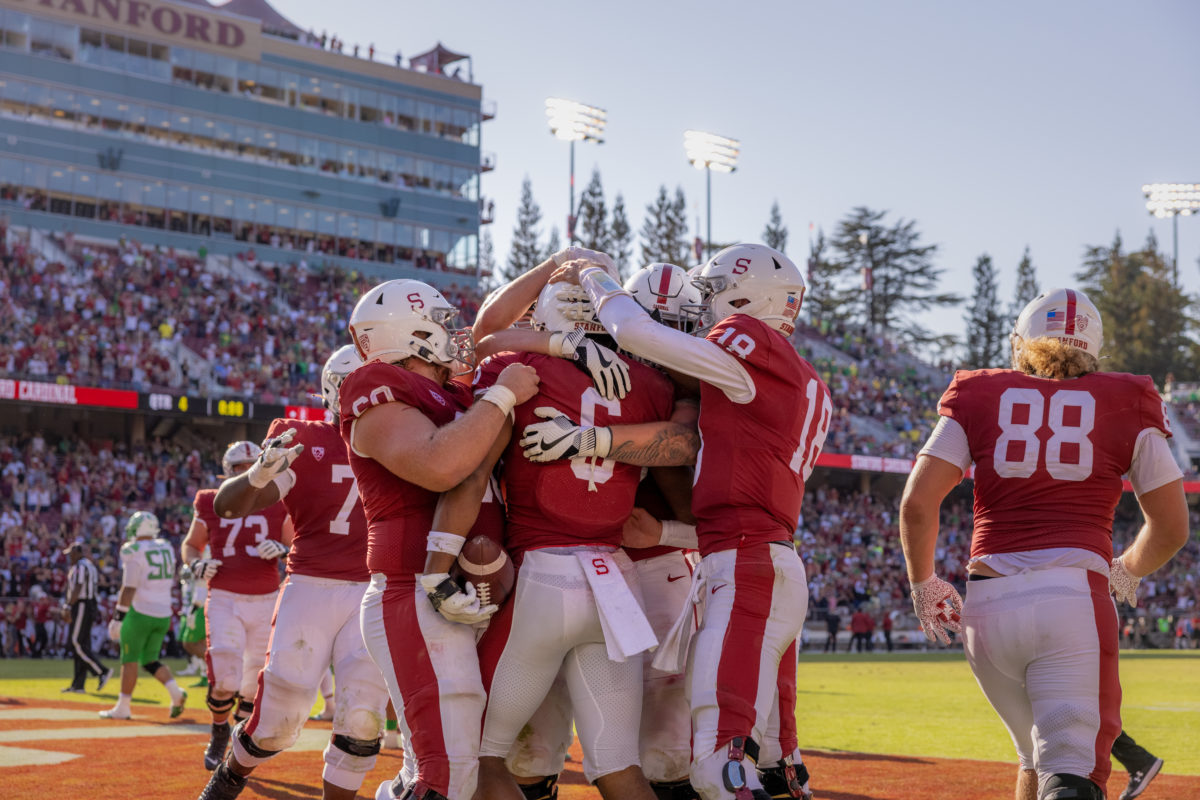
(994, 126)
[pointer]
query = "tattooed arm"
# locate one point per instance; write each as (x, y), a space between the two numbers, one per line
(671, 443)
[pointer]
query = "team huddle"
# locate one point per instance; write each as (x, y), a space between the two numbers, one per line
(639, 452)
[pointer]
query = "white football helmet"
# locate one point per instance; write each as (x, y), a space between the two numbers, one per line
(340, 364)
(769, 282)
(239, 453)
(565, 307)
(667, 293)
(387, 320)
(1064, 314)
(142, 525)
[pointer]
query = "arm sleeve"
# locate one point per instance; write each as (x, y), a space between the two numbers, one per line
(1153, 463)
(949, 443)
(637, 333)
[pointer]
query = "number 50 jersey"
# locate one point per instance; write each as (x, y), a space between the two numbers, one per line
(1049, 454)
(234, 541)
(148, 565)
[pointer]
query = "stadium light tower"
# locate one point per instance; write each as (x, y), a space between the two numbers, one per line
(573, 122)
(708, 151)
(1173, 200)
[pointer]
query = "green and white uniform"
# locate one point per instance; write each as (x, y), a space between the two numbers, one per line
(147, 565)
(193, 593)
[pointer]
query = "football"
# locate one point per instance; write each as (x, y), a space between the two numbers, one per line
(484, 564)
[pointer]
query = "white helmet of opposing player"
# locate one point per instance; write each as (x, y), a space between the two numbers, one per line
(142, 525)
(404, 318)
(667, 293)
(239, 453)
(751, 279)
(1064, 314)
(340, 364)
(565, 307)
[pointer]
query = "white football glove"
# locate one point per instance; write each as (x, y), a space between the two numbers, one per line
(275, 459)
(574, 253)
(114, 624)
(1123, 583)
(269, 548)
(204, 569)
(455, 603)
(608, 371)
(559, 437)
(938, 606)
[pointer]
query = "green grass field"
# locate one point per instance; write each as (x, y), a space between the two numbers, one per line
(929, 705)
(900, 704)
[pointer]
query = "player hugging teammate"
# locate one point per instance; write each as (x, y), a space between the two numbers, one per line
(658, 596)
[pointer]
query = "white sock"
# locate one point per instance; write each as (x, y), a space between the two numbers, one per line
(173, 688)
(123, 701)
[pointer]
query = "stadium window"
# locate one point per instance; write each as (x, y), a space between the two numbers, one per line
(15, 27)
(113, 54)
(41, 38)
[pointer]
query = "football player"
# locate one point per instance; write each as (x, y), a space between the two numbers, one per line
(1050, 439)
(576, 604)
(413, 433)
(243, 582)
(143, 612)
(304, 464)
(764, 414)
(193, 593)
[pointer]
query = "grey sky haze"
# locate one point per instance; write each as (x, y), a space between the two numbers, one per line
(993, 125)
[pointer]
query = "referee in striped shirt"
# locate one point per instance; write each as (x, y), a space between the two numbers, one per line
(81, 602)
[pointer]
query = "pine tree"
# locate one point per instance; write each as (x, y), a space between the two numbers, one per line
(553, 244)
(621, 239)
(776, 233)
(898, 278)
(656, 229)
(824, 302)
(1027, 286)
(984, 347)
(526, 252)
(591, 226)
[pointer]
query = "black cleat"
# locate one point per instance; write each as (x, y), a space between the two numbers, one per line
(214, 754)
(1139, 779)
(225, 784)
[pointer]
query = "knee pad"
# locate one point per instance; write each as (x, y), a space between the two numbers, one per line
(674, 790)
(357, 723)
(347, 761)
(222, 706)
(1064, 786)
(244, 710)
(152, 667)
(545, 789)
(226, 669)
(246, 751)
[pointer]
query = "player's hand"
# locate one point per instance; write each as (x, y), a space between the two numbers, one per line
(609, 373)
(559, 437)
(641, 530)
(1123, 583)
(269, 548)
(276, 457)
(204, 569)
(114, 630)
(582, 253)
(938, 606)
(455, 603)
(520, 379)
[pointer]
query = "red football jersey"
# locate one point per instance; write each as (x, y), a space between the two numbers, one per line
(554, 505)
(233, 540)
(399, 514)
(754, 457)
(331, 531)
(1049, 454)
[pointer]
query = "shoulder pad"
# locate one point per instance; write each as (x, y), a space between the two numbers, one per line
(129, 547)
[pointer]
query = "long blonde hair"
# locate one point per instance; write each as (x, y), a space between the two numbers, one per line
(1047, 357)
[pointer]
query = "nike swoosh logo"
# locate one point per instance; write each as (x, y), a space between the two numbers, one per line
(604, 362)
(673, 578)
(715, 588)
(550, 445)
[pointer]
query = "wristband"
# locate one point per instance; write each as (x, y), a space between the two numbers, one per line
(501, 397)
(445, 589)
(678, 534)
(119, 612)
(442, 542)
(600, 285)
(603, 440)
(284, 482)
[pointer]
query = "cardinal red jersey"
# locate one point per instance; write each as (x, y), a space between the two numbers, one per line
(331, 532)
(755, 456)
(581, 500)
(1049, 454)
(233, 541)
(399, 513)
